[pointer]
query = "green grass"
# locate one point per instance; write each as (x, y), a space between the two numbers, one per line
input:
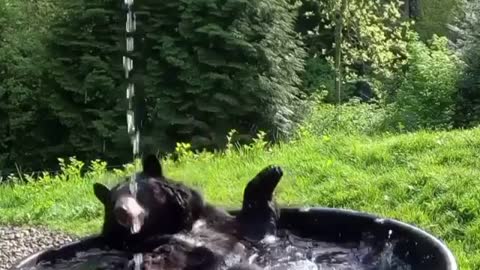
(430, 179)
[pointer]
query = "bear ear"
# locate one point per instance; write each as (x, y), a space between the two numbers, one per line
(152, 167)
(101, 192)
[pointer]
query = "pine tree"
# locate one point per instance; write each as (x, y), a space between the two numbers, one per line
(87, 89)
(214, 65)
(204, 67)
(467, 30)
(27, 126)
(4, 127)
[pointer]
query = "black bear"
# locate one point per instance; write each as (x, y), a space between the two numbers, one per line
(153, 213)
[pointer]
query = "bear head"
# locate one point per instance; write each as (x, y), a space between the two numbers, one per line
(146, 204)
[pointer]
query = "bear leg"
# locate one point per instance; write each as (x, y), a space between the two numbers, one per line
(259, 214)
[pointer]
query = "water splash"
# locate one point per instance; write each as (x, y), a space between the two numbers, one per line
(387, 253)
(287, 252)
(137, 261)
(294, 252)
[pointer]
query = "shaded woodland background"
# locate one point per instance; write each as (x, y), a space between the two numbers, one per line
(204, 67)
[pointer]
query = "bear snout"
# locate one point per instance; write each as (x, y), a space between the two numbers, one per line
(122, 216)
(129, 213)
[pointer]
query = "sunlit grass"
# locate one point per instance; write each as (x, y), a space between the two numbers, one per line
(429, 179)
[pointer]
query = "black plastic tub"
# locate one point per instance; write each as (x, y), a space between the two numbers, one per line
(414, 246)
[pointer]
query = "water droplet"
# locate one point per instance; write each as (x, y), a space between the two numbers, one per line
(269, 239)
(380, 220)
(129, 44)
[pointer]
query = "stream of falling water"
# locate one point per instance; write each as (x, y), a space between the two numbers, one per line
(133, 132)
(130, 27)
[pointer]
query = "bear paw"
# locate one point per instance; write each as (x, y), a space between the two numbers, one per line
(266, 180)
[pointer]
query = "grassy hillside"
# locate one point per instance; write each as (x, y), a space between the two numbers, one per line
(428, 179)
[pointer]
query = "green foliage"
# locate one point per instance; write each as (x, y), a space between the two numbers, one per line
(374, 34)
(319, 76)
(468, 43)
(349, 118)
(184, 153)
(231, 64)
(468, 103)
(374, 43)
(4, 17)
(310, 24)
(426, 94)
(85, 82)
(205, 66)
(429, 179)
(25, 119)
(434, 17)
(59, 83)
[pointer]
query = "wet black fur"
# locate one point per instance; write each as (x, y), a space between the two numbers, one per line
(175, 207)
(259, 214)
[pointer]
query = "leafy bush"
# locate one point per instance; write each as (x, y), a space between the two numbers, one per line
(434, 17)
(319, 76)
(352, 117)
(426, 94)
